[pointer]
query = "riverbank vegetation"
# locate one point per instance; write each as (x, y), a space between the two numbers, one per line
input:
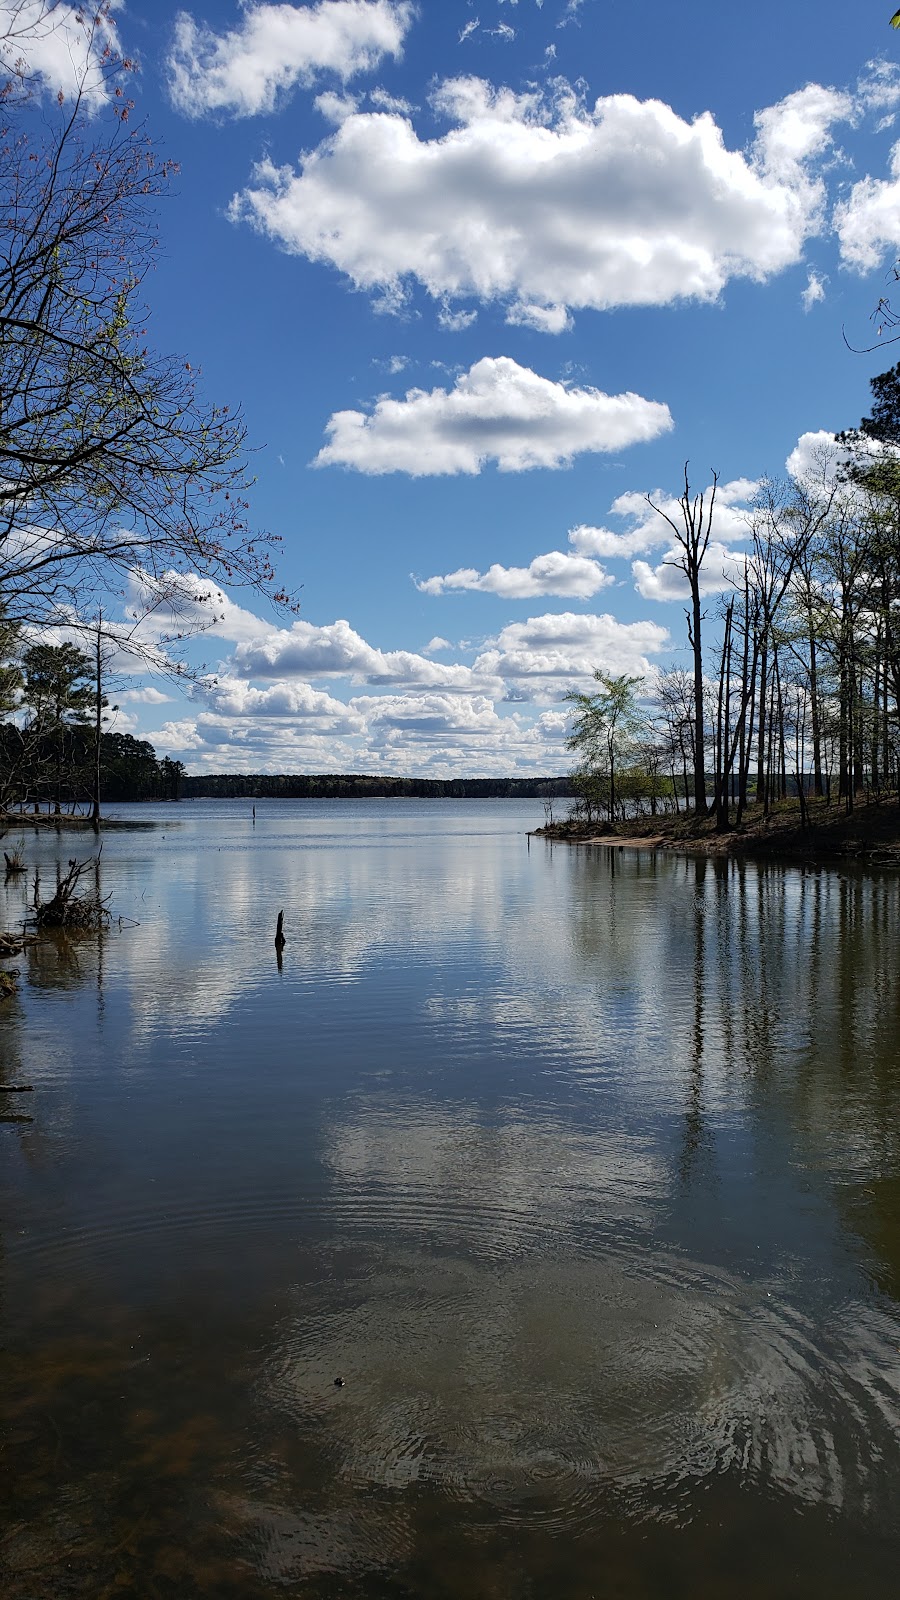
(791, 705)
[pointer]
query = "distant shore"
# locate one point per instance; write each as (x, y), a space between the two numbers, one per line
(870, 833)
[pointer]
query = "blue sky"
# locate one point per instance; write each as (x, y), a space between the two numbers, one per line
(477, 272)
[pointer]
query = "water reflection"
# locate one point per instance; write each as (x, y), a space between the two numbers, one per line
(582, 1170)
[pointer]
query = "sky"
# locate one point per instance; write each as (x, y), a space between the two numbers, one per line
(481, 275)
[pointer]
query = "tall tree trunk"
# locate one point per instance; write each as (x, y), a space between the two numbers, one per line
(815, 728)
(761, 726)
(98, 728)
(699, 721)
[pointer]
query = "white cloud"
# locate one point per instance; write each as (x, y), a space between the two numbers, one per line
(816, 457)
(275, 48)
(59, 45)
(540, 658)
(498, 411)
(383, 100)
(436, 716)
(546, 203)
(722, 569)
(147, 696)
(334, 107)
(648, 529)
(543, 319)
(235, 698)
(435, 645)
(574, 576)
(219, 744)
(455, 321)
(201, 607)
(796, 129)
(879, 88)
(814, 292)
(337, 651)
(868, 221)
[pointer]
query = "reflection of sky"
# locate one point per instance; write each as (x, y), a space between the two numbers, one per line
(569, 1133)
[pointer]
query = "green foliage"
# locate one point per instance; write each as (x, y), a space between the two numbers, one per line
(604, 727)
(57, 688)
(10, 670)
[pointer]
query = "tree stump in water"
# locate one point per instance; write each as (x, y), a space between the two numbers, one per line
(279, 932)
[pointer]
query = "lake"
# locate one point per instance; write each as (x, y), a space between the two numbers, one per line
(579, 1167)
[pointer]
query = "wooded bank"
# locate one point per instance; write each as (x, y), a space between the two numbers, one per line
(818, 832)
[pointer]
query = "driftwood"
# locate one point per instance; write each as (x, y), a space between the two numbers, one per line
(68, 908)
(279, 932)
(16, 1088)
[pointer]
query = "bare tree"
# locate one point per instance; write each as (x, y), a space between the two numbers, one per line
(111, 463)
(692, 536)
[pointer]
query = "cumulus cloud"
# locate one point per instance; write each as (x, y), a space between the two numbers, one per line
(550, 205)
(337, 651)
(816, 458)
(434, 715)
(223, 745)
(557, 572)
(722, 569)
(277, 47)
(497, 411)
(235, 698)
(60, 46)
(425, 737)
(796, 129)
(463, 734)
(648, 529)
(198, 607)
(541, 657)
(868, 221)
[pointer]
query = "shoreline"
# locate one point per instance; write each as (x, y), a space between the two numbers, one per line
(44, 822)
(870, 834)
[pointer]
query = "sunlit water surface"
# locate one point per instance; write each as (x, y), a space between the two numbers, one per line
(580, 1167)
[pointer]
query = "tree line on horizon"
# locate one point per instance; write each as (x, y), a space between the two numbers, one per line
(364, 786)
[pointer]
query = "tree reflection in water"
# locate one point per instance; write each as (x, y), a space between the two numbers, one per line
(580, 1167)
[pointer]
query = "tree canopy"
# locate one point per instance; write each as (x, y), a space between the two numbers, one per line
(115, 474)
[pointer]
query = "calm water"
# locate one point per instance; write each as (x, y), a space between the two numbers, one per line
(580, 1167)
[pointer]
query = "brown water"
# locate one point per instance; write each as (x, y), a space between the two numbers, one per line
(581, 1169)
